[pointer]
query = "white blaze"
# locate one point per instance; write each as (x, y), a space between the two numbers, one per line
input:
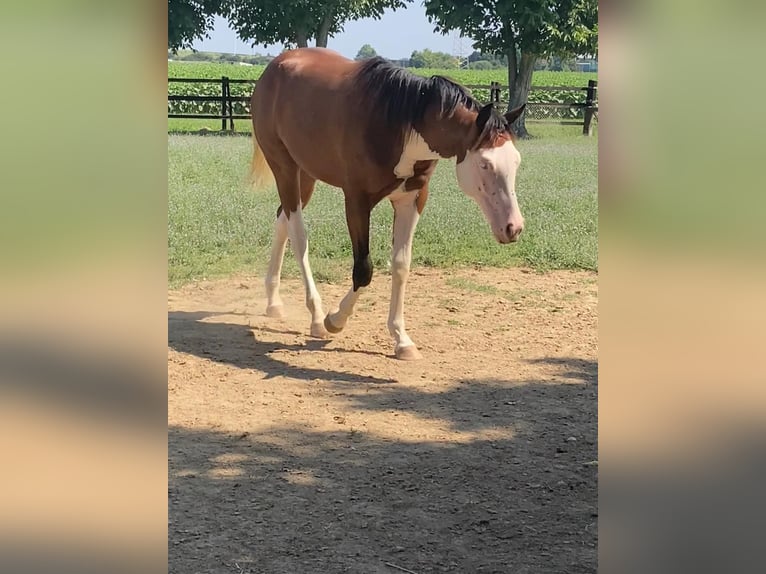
(489, 177)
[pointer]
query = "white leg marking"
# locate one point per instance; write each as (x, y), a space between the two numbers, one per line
(339, 318)
(300, 244)
(273, 300)
(405, 220)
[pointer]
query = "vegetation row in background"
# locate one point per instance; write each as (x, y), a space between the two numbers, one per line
(214, 71)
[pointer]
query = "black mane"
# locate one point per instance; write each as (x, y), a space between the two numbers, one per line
(404, 97)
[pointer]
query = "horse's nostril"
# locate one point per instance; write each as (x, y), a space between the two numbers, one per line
(512, 231)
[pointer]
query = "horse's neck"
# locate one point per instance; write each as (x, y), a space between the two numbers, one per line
(415, 149)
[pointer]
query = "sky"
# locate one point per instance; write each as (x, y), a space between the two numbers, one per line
(396, 35)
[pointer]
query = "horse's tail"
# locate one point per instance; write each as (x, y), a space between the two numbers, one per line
(260, 172)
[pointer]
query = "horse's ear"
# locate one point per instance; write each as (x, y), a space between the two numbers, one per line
(514, 114)
(484, 114)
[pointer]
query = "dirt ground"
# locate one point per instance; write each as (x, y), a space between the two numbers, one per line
(292, 455)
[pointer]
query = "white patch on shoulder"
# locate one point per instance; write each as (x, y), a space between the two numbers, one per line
(415, 149)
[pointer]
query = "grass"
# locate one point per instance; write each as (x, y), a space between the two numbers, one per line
(217, 225)
(214, 70)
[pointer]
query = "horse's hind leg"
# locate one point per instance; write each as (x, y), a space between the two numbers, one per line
(274, 306)
(289, 186)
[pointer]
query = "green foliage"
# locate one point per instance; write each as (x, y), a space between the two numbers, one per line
(294, 22)
(429, 59)
(523, 30)
(365, 52)
(482, 65)
(217, 225)
(495, 60)
(195, 56)
(214, 71)
(473, 78)
(190, 20)
(540, 27)
(557, 64)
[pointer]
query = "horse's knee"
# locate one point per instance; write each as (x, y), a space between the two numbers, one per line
(400, 268)
(362, 273)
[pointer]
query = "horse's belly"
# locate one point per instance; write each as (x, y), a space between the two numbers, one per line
(318, 160)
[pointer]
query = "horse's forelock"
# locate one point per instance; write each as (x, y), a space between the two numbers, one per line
(494, 133)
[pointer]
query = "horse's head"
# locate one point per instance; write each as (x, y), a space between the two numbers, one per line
(487, 172)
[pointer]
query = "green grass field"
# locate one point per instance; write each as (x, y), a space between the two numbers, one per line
(218, 225)
(213, 70)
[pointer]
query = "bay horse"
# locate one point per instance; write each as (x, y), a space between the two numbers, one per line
(376, 131)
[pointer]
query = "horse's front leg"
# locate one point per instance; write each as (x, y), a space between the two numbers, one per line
(358, 219)
(406, 215)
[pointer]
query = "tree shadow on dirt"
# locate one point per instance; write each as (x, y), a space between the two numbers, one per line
(519, 499)
(239, 346)
(502, 404)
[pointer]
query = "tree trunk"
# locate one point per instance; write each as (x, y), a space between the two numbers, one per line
(301, 39)
(519, 82)
(323, 31)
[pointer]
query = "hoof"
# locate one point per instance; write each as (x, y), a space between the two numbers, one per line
(330, 327)
(408, 353)
(318, 331)
(275, 311)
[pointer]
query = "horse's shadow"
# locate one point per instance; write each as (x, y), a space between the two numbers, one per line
(242, 346)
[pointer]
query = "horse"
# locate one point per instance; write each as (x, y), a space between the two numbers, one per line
(376, 131)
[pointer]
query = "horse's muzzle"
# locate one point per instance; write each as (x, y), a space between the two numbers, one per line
(510, 234)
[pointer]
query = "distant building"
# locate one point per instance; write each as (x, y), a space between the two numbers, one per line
(586, 64)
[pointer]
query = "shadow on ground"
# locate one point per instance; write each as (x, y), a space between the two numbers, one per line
(240, 346)
(294, 500)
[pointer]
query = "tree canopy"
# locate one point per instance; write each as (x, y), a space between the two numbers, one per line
(190, 20)
(522, 30)
(295, 22)
(429, 59)
(365, 52)
(543, 27)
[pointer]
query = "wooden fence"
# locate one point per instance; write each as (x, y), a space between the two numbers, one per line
(589, 107)
(225, 98)
(536, 111)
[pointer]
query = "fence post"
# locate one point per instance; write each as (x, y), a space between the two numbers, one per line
(494, 93)
(590, 98)
(224, 90)
(231, 105)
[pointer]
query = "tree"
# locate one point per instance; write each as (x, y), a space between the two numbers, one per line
(494, 59)
(295, 22)
(481, 65)
(365, 52)
(190, 20)
(429, 59)
(522, 30)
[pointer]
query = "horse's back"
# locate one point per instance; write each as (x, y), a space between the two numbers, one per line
(303, 79)
(299, 103)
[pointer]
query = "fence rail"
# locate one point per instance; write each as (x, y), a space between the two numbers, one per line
(565, 113)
